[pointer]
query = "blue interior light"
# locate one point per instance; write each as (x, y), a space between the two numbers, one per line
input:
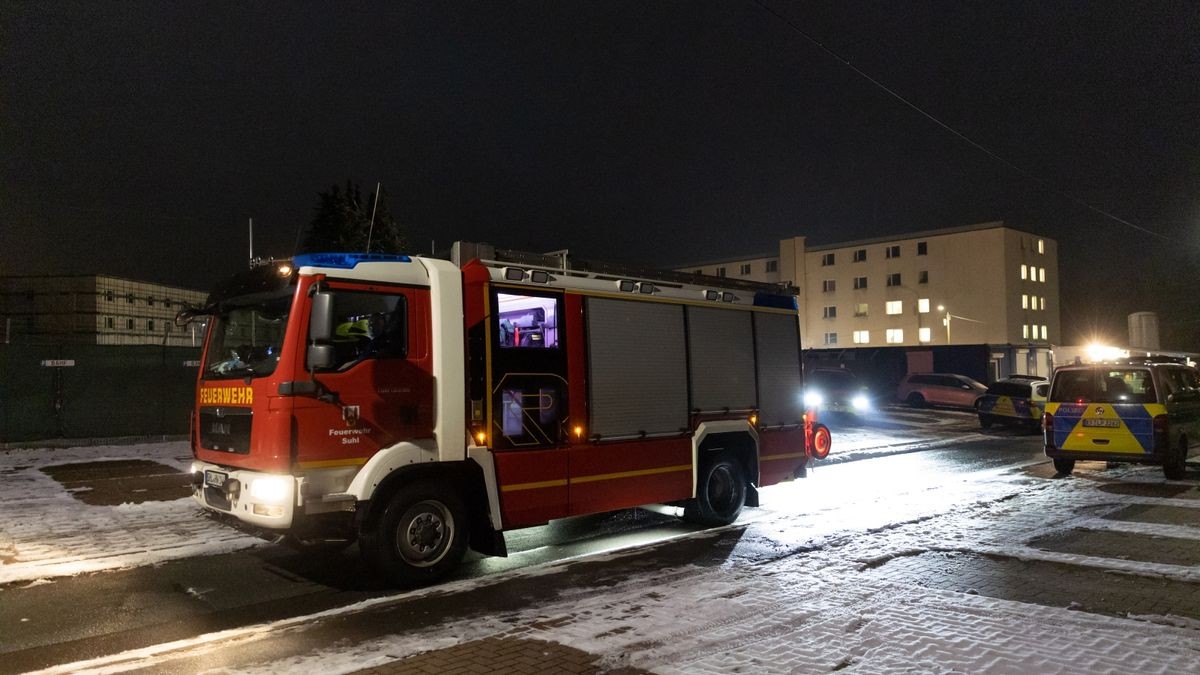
(345, 261)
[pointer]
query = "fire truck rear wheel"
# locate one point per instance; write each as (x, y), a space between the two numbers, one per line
(421, 536)
(720, 492)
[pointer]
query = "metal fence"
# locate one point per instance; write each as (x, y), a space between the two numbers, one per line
(81, 391)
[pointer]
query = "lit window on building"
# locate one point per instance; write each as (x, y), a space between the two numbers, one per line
(1041, 246)
(860, 309)
(892, 251)
(923, 305)
(894, 307)
(893, 279)
(1025, 331)
(924, 334)
(1045, 335)
(894, 336)
(826, 260)
(1024, 301)
(831, 338)
(830, 312)
(1042, 275)
(860, 283)
(1043, 302)
(860, 255)
(828, 285)
(1024, 272)
(862, 337)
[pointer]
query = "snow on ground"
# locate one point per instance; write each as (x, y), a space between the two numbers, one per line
(791, 597)
(810, 609)
(45, 532)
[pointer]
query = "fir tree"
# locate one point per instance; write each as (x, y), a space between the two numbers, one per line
(342, 222)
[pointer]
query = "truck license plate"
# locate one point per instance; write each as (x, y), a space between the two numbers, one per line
(215, 478)
(1102, 423)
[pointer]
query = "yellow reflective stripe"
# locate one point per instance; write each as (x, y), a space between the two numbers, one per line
(597, 477)
(327, 463)
(632, 474)
(534, 486)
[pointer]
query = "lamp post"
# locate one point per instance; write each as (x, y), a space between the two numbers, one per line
(947, 316)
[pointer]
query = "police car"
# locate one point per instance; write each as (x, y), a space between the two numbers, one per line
(1148, 413)
(1017, 400)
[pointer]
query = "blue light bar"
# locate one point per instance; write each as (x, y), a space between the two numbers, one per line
(345, 261)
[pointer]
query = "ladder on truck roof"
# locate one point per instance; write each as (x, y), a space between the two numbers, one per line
(562, 263)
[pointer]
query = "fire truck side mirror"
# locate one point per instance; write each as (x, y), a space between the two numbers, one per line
(320, 330)
(320, 321)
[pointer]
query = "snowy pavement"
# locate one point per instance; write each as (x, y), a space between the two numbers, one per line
(796, 592)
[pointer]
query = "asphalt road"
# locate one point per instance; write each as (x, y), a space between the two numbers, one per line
(100, 614)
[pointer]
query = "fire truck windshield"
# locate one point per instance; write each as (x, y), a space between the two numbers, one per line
(245, 337)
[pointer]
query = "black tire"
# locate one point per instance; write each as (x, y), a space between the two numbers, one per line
(1064, 467)
(915, 400)
(985, 421)
(1175, 465)
(720, 492)
(420, 537)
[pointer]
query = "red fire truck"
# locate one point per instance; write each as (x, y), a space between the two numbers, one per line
(422, 406)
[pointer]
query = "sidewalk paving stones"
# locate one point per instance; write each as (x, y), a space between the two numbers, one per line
(1122, 545)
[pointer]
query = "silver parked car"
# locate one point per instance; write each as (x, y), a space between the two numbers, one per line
(921, 389)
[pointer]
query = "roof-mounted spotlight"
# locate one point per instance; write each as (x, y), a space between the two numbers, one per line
(539, 277)
(626, 286)
(646, 288)
(728, 297)
(713, 296)
(514, 274)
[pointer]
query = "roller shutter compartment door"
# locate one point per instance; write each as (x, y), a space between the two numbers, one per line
(721, 345)
(637, 373)
(777, 338)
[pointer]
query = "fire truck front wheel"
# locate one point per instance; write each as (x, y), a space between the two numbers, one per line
(720, 492)
(420, 537)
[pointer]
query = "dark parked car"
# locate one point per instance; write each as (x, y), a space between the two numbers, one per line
(921, 389)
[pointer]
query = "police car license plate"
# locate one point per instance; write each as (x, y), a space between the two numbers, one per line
(1102, 423)
(215, 478)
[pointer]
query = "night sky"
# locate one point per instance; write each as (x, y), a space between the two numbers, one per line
(138, 138)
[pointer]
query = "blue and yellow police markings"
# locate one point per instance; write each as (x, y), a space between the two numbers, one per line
(1009, 406)
(1120, 428)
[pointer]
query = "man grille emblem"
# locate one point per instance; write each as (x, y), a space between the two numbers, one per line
(1099, 410)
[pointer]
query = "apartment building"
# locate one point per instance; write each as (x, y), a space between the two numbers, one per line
(986, 294)
(95, 309)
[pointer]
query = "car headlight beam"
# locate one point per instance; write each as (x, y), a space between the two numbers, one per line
(813, 399)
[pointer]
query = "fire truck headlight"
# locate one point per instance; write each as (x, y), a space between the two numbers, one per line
(269, 489)
(813, 399)
(861, 402)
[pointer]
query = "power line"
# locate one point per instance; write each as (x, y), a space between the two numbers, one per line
(956, 133)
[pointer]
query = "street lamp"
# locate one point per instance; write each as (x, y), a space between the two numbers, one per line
(946, 320)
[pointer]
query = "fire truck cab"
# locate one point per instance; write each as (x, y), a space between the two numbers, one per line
(421, 406)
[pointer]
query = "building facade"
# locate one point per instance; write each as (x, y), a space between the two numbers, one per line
(985, 289)
(95, 309)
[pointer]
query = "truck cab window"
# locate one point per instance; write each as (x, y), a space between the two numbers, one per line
(368, 326)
